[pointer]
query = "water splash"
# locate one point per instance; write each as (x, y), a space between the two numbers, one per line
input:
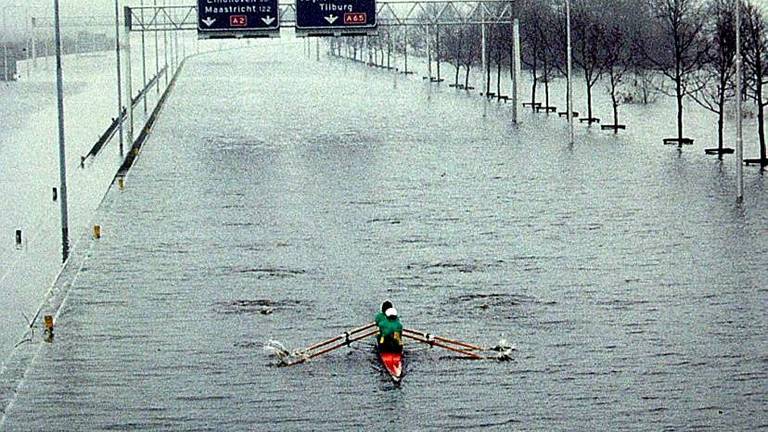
(277, 349)
(504, 349)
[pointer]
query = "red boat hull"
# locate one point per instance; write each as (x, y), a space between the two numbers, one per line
(393, 363)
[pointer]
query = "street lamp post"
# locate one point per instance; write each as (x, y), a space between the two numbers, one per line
(143, 60)
(739, 128)
(569, 54)
(165, 42)
(62, 153)
(119, 78)
(157, 58)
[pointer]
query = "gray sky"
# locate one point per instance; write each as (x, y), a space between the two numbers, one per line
(15, 14)
(76, 7)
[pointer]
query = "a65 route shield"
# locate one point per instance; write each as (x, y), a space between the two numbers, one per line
(335, 14)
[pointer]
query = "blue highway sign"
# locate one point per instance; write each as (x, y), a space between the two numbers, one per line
(237, 18)
(335, 15)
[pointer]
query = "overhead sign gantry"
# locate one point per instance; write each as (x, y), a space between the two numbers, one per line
(335, 17)
(237, 18)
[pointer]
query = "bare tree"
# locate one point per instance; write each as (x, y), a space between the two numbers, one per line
(714, 80)
(453, 45)
(550, 55)
(532, 15)
(679, 30)
(755, 55)
(499, 47)
(471, 55)
(589, 37)
(617, 61)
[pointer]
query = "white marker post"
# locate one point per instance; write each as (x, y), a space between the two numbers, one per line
(516, 70)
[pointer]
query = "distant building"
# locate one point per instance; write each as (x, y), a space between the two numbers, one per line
(8, 57)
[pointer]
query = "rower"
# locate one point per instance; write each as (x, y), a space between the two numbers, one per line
(390, 329)
(380, 316)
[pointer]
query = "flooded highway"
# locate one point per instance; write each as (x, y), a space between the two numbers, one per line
(279, 198)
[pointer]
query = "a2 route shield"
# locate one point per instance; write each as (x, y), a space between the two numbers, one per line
(237, 18)
(318, 17)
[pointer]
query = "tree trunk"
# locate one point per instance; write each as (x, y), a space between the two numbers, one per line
(466, 77)
(487, 76)
(498, 77)
(589, 101)
(546, 84)
(721, 112)
(534, 84)
(456, 78)
(720, 122)
(761, 128)
(679, 94)
(680, 120)
(615, 104)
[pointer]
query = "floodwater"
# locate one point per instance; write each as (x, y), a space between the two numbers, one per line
(281, 198)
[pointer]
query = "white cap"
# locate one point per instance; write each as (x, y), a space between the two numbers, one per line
(391, 312)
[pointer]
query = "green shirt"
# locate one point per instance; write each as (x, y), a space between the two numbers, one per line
(388, 327)
(379, 317)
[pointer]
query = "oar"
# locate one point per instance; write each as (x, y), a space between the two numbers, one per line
(442, 345)
(339, 345)
(339, 337)
(443, 339)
